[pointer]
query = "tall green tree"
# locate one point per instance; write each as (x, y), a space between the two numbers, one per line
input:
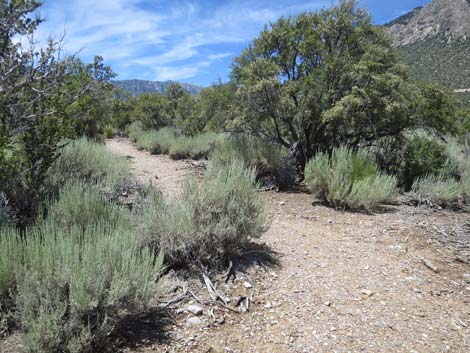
(326, 79)
(42, 99)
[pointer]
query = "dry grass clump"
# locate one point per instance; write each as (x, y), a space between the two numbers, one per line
(349, 179)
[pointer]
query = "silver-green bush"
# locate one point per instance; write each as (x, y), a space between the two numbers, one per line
(81, 205)
(11, 257)
(194, 147)
(89, 161)
(134, 131)
(210, 222)
(440, 189)
(270, 160)
(157, 142)
(74, 285)
(349, 179)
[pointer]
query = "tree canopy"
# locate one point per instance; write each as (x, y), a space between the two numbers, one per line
(329, 78)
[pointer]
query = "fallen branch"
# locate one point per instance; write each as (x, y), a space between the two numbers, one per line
(213, 293)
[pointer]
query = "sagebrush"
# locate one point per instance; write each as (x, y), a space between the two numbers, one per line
(270, 160)
(88, 161)
(349, 179)
(210, 222)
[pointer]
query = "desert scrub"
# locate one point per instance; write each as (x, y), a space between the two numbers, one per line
(194, 147)
(210, 222)
(157, 142)
(443, 190)
(414, 156)
(349, 179)
(11, 257)
(74, 286)
(82, 205)
(89, 161)
(109, 132)
(269, 160)
(134, 131)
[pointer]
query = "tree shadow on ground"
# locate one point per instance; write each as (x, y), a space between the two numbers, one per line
(146, 330)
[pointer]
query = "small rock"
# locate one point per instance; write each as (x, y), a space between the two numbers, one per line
(195, 321)
(268, 306)
(328, 303)
(247, 284)
(194, 309)
(330, 221)
(282, 203)
(367, 292)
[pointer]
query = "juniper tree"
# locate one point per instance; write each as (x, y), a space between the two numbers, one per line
(326, 79)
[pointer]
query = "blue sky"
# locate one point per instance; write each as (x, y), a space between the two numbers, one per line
(187, 41)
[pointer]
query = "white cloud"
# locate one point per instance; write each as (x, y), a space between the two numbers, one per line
(219, 56)
(172, 39)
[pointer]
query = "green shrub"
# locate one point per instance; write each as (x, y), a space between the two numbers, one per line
(349, 179)
(194, 147)
(413, 157)
(441, 189)
(270, 160)
(11, 257)
(210, 222)
(74, 286)
(465, 181)
(88, 161)
(134, 131)
(81, 205)
(109, 132)
(157, 142)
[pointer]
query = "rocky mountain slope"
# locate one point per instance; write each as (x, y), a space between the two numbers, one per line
(435, 41)
(137, 87)
(449, 19)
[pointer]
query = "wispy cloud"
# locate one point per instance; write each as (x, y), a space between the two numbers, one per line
(177, 40)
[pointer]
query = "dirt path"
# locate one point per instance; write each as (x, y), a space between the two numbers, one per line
(346, 282)
(160, 170)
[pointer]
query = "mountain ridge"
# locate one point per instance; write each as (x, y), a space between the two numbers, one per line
(137, 87)
(449, 19)
(434, 41)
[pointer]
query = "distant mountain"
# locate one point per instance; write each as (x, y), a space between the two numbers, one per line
(137, 87)
(449, 19)
(435, 41)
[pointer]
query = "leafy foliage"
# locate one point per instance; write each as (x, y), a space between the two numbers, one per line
(414, 156)
(43, 99)
(81, 206)
(349, 179)
(74, 286)
(327, 79)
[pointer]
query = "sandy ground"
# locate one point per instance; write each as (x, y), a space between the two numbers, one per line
(397, 281)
